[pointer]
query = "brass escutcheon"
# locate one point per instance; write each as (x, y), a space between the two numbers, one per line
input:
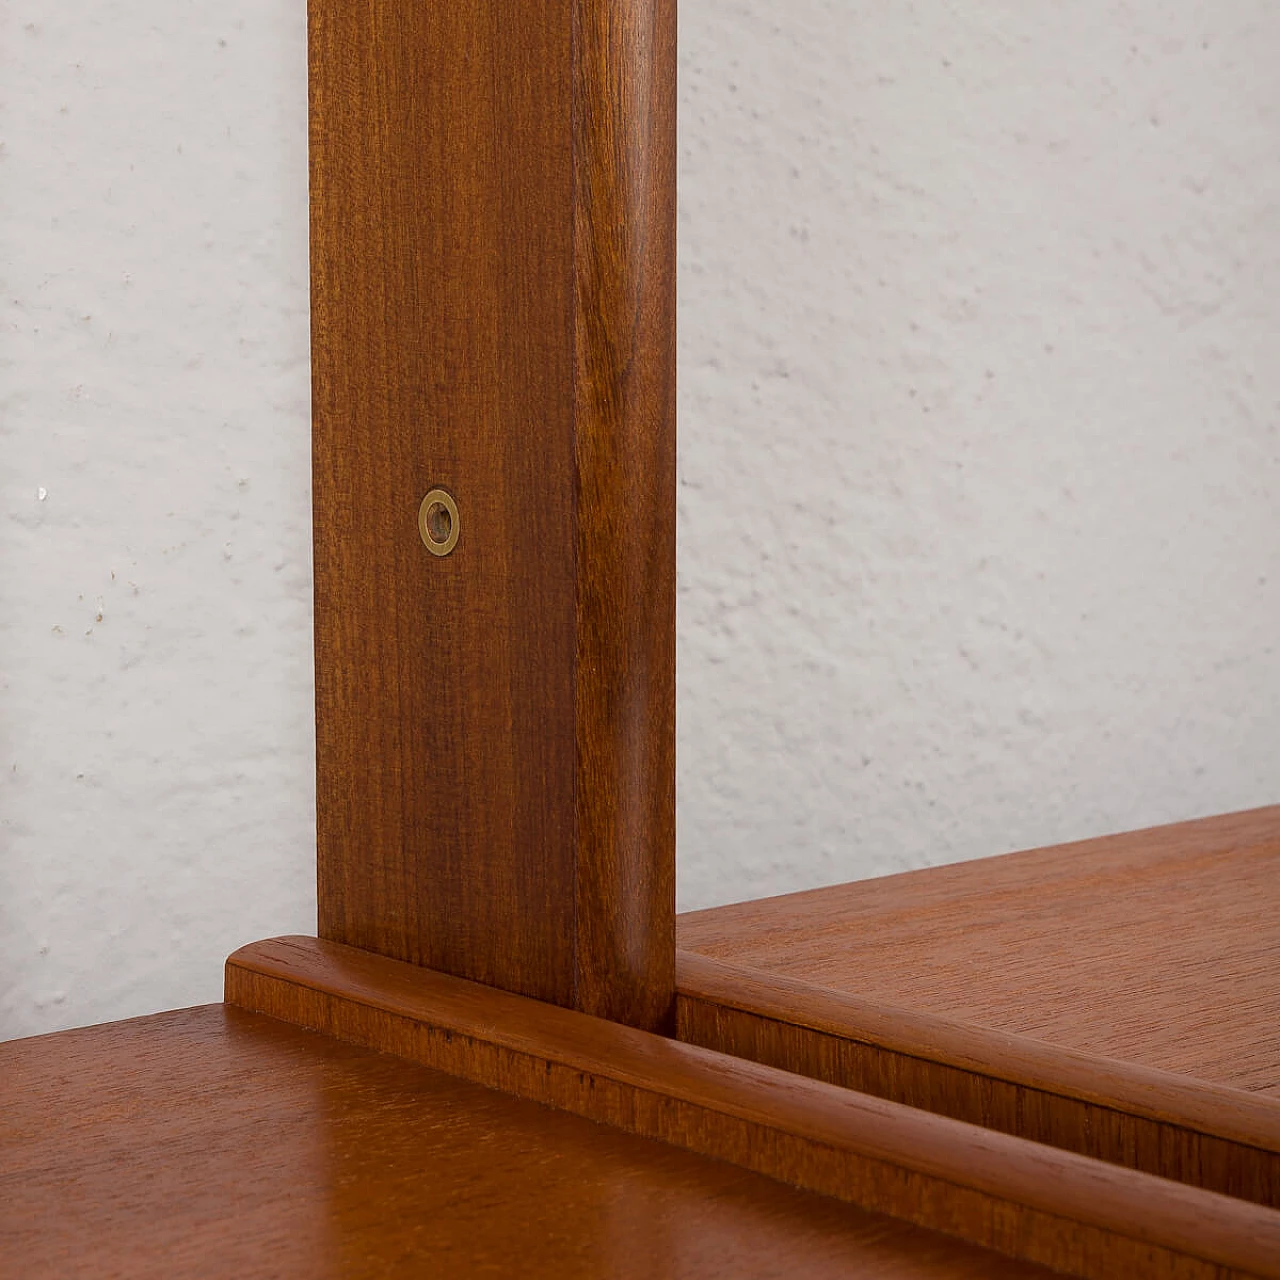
(438, 522)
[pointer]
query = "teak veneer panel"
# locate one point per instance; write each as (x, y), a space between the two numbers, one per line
(493, 275)
(1078, 1216)
(217, 1143)
(1117, 997)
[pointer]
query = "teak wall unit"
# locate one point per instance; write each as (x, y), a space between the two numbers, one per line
(464, 1073)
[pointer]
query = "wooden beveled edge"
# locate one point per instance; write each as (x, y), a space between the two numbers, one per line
(989, 1188)
(1215, 1110)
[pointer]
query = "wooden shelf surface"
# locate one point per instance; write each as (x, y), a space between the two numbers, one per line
(1021, 1199)
(1118, 997)
(214, 1142)
(270, 1137)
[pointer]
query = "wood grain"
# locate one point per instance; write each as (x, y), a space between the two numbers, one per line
(624, 68)
(1018, 1198)
(1118, 997)
(217, 1143)
(492, 235)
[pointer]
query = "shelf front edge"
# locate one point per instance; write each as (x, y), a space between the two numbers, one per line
(1019, 1198)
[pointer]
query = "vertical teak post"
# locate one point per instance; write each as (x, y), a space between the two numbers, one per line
(493, 288)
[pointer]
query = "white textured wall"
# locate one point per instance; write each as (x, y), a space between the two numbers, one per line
(980, 310)
(156, 748)
(980, 453)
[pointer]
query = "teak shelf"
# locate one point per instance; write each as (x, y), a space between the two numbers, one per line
(493, 1059)
(1118, 997)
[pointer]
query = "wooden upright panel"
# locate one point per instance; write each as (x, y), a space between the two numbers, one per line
(493, 314)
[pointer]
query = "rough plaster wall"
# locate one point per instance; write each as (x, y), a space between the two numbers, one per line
(979, 310)
(156, 748)
(980, 395)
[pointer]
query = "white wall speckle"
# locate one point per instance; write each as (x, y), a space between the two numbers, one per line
(980, 437)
